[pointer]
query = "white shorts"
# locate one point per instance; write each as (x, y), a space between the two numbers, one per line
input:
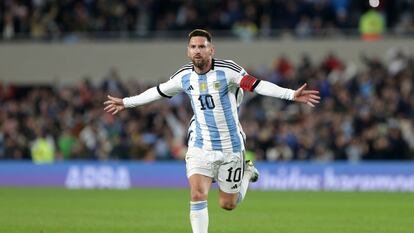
(225, 168)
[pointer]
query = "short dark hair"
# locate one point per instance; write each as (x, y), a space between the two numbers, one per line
(200, 32)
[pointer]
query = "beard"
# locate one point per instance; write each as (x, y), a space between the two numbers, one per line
(200, 63)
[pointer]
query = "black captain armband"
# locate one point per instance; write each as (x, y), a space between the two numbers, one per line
(249, 83)
(161, 93)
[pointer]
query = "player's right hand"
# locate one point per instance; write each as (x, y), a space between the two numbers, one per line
(114, 105)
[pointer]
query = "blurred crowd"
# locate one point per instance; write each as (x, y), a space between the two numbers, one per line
(365, 114)
(71, 19)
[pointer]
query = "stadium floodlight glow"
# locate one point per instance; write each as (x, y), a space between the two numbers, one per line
(374, 3)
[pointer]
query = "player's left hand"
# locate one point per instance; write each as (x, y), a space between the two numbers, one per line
(310, 97)
(114, 105)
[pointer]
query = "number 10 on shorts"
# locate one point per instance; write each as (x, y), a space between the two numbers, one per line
(234, 176)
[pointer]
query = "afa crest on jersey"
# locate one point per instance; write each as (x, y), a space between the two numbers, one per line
(216, 85)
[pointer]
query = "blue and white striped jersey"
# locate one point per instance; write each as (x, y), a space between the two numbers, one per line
(213, 100)
(192, 126)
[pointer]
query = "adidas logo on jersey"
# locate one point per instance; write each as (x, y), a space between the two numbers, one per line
(234, 186)
(190, 88)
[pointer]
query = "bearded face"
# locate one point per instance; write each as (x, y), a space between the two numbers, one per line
(200, 51)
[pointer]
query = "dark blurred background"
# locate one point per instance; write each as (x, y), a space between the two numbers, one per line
(359, 54)
(129, 19)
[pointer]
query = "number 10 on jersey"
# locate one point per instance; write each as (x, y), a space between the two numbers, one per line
(206, 102)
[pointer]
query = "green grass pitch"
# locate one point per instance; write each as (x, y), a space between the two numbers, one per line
(49, 210)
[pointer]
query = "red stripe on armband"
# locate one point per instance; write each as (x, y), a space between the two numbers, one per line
(247, 82)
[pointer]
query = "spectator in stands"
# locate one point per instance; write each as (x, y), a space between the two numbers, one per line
(73, 19)
(371, 25)
(365, 118)
(43, 147)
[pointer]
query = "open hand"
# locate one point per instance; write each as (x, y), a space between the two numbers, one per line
(310, 97)
(114, 105)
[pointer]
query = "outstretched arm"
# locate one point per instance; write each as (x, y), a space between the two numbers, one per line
(262, 87)
(114, 105)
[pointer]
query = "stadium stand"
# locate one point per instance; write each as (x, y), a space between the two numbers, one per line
(366, 112)
(71, 20)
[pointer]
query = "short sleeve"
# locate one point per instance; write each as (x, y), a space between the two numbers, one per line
(169, 88)
(244, 80)
(174, 85)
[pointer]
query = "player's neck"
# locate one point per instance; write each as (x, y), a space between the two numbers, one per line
(205, 69)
